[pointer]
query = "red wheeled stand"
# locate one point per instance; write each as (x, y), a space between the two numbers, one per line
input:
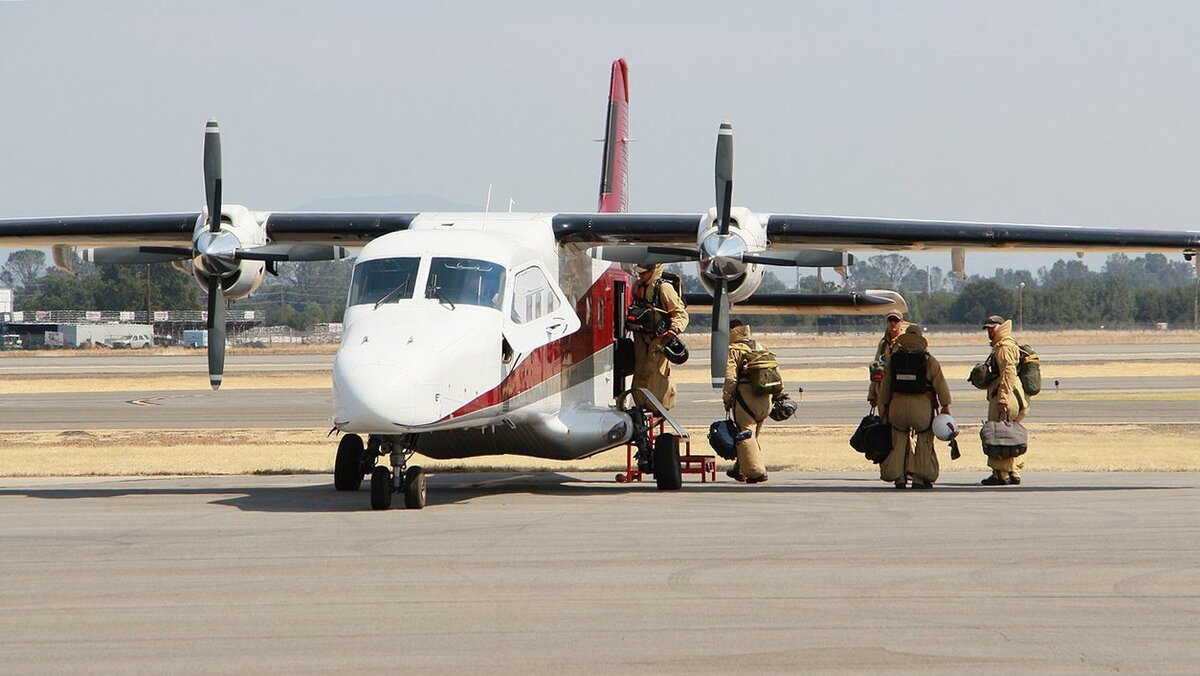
(704, 465)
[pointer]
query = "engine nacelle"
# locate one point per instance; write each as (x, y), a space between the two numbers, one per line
(746, 233)
(240, 229)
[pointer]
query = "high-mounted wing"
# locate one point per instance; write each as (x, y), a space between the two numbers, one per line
(788, 231)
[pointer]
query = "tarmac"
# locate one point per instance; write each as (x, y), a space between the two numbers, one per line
(550, 573)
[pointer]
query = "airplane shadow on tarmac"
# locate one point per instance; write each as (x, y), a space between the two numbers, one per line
(450, 489)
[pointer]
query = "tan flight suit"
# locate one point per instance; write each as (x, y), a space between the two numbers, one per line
(882, 352)
(1006, 389)
(651, 369)
(749, 454)
(912, 413)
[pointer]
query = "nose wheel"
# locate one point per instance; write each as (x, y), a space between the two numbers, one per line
(385, 482)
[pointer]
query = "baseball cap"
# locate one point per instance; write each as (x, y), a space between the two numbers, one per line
(895, 313)
(994, 320)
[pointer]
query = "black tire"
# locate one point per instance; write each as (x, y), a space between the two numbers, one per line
(347, 466)
(667, 472)
(381, 488)
(414, 488)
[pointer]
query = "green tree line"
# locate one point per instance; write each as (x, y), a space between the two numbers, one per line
(1127, 292)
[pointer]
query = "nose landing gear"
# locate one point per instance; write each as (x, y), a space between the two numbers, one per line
(354, 460)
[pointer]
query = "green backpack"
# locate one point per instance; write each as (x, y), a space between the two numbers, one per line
(1029, 372)
(760, 369)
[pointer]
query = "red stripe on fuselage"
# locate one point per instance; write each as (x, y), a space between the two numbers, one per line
(550, 360)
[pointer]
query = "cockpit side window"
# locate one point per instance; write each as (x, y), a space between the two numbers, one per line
(468, 281)
(383, 279)
(533, 296)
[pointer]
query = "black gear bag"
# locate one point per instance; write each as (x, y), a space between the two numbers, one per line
(873, 438)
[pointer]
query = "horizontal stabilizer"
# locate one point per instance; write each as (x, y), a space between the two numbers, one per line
(873, 302)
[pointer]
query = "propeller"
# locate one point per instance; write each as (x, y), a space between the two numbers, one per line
(723, 255)
(216, 333)
(219, 253)
(212, 174)
(216, 253)
(723, 170)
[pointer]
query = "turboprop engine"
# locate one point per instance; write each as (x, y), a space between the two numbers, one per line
(216, 254)
(229, 255)
(723, 256)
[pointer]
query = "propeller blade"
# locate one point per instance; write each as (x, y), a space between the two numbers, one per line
(212, 173)
(720, 334)
(280, 253)
(802, 258)
(644, 255)
(216, 333)
(724, 176)
(136, 254)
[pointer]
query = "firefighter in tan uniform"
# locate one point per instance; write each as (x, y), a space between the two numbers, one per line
(651, 369)
(895, 326)
(749, 408)
(1006, 398)
(911, 389)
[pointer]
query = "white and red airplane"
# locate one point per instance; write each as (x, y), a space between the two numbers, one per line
(470, 334)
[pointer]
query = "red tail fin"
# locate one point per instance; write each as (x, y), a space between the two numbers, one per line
(614, 181)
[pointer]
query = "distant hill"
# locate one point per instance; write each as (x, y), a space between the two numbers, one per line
(401, 202)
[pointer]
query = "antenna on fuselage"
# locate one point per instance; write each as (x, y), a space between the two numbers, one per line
(487, 206)
(511, 202)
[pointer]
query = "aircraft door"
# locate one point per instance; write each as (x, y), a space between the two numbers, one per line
(538, 312)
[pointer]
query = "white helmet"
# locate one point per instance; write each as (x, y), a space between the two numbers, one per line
(944, 427)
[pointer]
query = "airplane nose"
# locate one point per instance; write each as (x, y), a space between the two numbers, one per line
(380, 397)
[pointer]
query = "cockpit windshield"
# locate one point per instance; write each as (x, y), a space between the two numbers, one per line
(383, 280)
(467, 281)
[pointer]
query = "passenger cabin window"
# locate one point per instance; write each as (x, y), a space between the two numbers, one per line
(465, 281)
(533, 296)
(386, 279)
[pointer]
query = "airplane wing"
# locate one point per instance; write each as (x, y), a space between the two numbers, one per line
(881, 234)
(340, 228)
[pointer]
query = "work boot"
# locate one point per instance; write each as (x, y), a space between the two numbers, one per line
(993, 480)
(920, 483)
(757, 479)
(901, 483)
(735, 475)
(1014, 480)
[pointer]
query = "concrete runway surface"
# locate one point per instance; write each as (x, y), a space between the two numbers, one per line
(1070, 573)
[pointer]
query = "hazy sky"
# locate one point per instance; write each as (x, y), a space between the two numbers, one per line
(1054, 112)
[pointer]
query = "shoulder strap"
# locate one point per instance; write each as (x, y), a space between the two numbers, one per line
(737, 395)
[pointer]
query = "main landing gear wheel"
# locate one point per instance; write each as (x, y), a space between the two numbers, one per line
(414, 488)
(347, 467)
(381, 488)
(667, 472)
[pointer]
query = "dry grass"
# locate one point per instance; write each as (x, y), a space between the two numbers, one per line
(687, 374)
(298, 348)
(959, 372)
(1158, 447)
(699, 337)
(166, 383)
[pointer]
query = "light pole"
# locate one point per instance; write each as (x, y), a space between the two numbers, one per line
(1020, 308)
